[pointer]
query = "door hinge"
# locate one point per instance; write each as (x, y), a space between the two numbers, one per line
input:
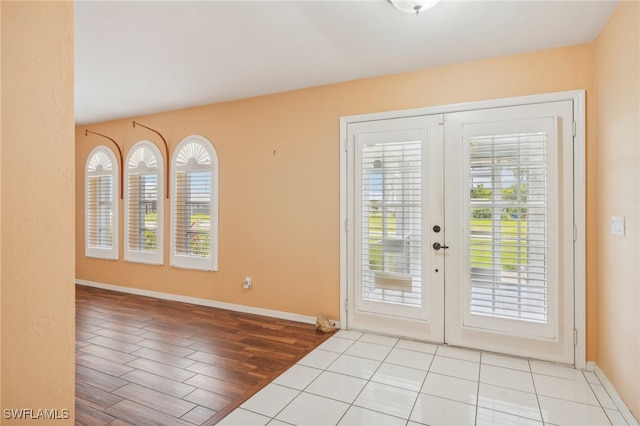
(346, 305)
(575, 233)
(575, 337)
(574, 128)
(346, 225)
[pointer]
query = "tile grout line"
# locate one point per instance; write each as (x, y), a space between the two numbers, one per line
(480, 363)
(475, 420)
(535, 389)
(366, 382)
(300, 392)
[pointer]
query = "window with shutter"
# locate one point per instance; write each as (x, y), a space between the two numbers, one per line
(101, 204)
(194, 208)
(144, 204)
(508, 238)
(391, 200)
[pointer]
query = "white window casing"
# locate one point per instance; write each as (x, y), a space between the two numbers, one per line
(194, 205)
(101, 204)
(144, 204)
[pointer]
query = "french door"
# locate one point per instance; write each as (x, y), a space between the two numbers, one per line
(460, 229)
(397, 282)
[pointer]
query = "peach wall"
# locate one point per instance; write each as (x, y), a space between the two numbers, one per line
(37, 211)
(279, 213)
(617, 80)
(0, 214)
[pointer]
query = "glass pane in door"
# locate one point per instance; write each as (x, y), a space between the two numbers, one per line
(391, 215)
(508, 226)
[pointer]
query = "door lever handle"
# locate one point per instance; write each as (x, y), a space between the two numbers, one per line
(438, 246)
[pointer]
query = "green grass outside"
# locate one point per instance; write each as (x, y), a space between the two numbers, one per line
(375, 238)
(509, 227)
(198, 217)
(482, 254)
(512, 256)
(199, 244)
(481, 249)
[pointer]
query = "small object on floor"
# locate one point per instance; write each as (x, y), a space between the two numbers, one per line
(323, 324)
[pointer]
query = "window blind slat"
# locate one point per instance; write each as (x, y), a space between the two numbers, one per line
(193, 213)
(142, 217)
(100, 212)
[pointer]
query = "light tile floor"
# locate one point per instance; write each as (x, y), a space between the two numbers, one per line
(364, 379)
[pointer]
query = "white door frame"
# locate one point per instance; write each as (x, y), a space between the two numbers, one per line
(579, 153)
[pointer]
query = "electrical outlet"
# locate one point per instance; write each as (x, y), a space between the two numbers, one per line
(246, 283)
(617, 225)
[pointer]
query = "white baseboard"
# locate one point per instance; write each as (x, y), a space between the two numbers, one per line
(613, 394)
(204, 302)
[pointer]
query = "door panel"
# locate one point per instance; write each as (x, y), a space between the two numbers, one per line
(511, 290)
(395, 195)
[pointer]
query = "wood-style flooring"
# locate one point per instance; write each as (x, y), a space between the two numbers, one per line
(146, 361)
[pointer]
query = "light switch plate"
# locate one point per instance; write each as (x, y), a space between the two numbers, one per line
(617, 225)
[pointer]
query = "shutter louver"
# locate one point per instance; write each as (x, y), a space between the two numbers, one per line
(143, 203)
(508, 233)
(193, 213)
(391, 215)
(143, 212)
(100, 212)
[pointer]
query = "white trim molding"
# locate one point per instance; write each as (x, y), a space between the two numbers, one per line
(204, 302)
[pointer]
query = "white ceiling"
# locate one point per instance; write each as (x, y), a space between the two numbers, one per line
(141, 57)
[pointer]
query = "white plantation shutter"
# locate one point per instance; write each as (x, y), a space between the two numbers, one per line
(194, 216)
(390, 234)
(509, 220)
(144, 203)
(101, 204)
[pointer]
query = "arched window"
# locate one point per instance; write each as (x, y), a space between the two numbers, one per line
(101, 204)
(194, 208)
(144, 204)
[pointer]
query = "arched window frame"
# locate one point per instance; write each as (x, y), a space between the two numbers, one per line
(194, 153)
(102, 163)
(153, 164)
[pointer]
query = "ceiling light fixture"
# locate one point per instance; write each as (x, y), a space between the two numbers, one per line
(413, 6)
